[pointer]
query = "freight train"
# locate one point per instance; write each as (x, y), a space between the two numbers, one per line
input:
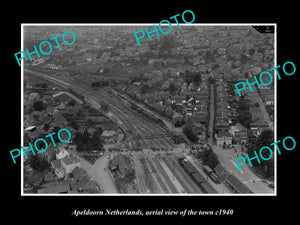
(211, 174)
(196, 176)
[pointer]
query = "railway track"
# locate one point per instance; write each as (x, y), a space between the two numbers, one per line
(168, 181)
(123, 112)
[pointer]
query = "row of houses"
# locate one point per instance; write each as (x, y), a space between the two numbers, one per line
(236, 134)
(66, 175)
(228, 129)
(222, 120)
(77, 182)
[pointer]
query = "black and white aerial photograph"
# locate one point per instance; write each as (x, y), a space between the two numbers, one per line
(162, 117)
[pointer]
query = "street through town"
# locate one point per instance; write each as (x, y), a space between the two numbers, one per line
(226, 156)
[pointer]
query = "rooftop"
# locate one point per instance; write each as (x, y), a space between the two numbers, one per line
(61, 188)
(56, 164)
(238, 185)
(68, 160)
(238, 127)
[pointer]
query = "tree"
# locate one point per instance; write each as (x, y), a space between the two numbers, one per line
(55, 137)
(83, 141)
(96, 141)
(41, 85)
(172, 88)
(209, 158)
(27, 139)
(245, 118)
(179, 122)
(244, 59)
(188, 131)
(144, 88)
(39, 106)
(38, 164)
(265, 167)
(215, 66)
(167, 43)
(46, 127)
(192, 77)
(68, 116)
(71, 103)
(208, 56)
(251, 51)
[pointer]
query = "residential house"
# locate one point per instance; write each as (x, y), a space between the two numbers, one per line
(258, 126)
(89, 57)
(269, 99)
(69, 163)
(239, 133)
(52, 110)
(57, 168)
(30, 121)
(61, 106)
(58, 121)
(55, 189)
(61, 153)
(200, 117)
(251, 137)
(221, 124)
(33, 96)
(109, 136)
(179, 99)
(82, 183)
(223, 138)
(49, 154)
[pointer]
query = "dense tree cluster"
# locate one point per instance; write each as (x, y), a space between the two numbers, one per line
(87, 142)
(208, 158)
(189, 77)
(38, 164)
(188, 131)
(265, 167)
(39, 106)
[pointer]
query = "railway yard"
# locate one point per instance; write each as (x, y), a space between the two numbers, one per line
(162, 173)
(148, 161)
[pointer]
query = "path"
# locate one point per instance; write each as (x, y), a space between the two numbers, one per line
(99, 174)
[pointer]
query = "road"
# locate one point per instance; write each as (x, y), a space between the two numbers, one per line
(99, 172)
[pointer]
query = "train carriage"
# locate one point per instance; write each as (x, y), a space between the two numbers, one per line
(207, 188)
(189, 168)
(199, 179)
